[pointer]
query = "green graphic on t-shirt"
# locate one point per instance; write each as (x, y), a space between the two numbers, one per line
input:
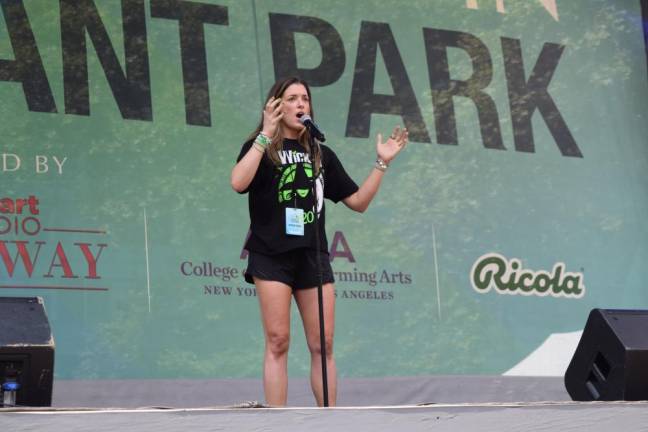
(287, 188)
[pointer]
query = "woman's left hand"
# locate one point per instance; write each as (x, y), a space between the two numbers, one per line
(394, 144)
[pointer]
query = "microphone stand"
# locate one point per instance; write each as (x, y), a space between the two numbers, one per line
(320, 298)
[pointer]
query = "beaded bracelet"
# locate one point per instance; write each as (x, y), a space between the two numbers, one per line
(262, 139)
(381, 165)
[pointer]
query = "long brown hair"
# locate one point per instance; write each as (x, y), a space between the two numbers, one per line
(277, 90)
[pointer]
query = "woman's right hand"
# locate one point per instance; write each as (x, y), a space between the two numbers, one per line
(272, 115)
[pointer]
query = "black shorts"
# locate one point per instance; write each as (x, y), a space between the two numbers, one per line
(296, 268)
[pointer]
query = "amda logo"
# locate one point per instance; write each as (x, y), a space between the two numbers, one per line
(508, 277)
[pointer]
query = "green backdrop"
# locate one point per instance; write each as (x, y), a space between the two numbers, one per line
(134, 236)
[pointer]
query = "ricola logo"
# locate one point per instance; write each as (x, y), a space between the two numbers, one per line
(508, 277)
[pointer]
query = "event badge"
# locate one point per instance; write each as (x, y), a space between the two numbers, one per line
(295, 221)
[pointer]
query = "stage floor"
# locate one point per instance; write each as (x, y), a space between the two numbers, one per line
(591, 417)
(439, 403)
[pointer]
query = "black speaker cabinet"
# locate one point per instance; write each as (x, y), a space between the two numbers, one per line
(611, 360)
(26, 350)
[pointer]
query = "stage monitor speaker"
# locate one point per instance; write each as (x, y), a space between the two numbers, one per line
(611, 360)
(26, 352)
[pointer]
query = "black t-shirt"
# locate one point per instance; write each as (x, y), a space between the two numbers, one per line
(277, 187)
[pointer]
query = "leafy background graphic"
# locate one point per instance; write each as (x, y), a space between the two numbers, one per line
(458, 201)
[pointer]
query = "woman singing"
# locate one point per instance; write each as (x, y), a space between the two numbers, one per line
(276, 167)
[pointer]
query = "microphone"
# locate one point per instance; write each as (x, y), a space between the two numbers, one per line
(312, 127)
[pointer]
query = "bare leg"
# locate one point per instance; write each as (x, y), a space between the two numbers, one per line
(274, 301)
(308, 308)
